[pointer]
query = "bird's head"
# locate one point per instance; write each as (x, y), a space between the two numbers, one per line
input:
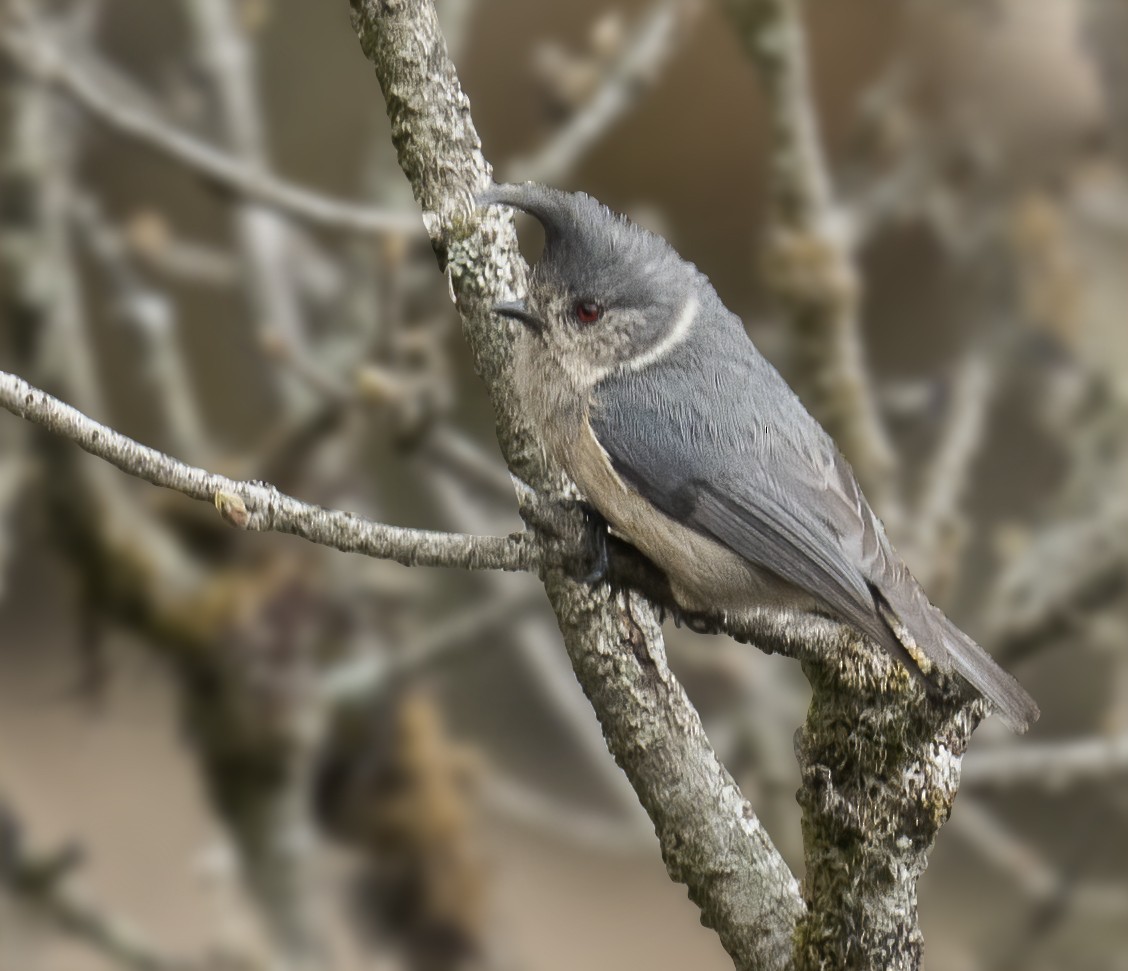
(605, 292)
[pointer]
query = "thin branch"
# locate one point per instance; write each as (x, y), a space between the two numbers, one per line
(1105, 25)
(455, 452)
(15, 475)
(38, 882)
(639, 65)
(262, 508)
(1039, 881)
(1032, 605)
(1050, 766)
(227, 59)
(810, 264)
(272, 830)
(536, 638)
(43, 60)
(152, 315)
(358, 680)
(157, 246)
(559, 821)
(935, 548)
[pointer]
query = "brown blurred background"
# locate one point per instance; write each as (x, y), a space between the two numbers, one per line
(398, 762)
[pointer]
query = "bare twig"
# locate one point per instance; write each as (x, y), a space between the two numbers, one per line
(654, 40)
(571, 824)
(39, 882)
(153, 316)
(1032, 873)
(1105, 27)
(155, 245)
(42, 59)
(228, 62)
(359, 680)
(262, 508)
(15, 469)
(1032, 605)
(536, 636)
(935, 547)
(810, 264)
(1050, 766)
(458, 453)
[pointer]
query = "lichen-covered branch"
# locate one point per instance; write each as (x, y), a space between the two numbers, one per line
(260, 507)
(710, 836)
(880, 760)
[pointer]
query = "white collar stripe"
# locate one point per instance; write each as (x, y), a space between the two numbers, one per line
(673, 338)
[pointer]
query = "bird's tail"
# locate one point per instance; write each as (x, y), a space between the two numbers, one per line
(933, 641)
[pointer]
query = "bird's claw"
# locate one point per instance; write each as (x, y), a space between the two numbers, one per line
(585, 553)
(595, 541)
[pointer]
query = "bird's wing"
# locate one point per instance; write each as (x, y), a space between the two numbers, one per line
(721, 444)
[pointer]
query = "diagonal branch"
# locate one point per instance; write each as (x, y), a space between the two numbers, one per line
(710, 837)
(43, 60)
(654, 40)
(261, 507)
(810, 263)
(39, 882)
(936, 542)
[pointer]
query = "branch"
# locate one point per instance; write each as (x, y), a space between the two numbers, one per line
(1040, 881)
(1032, 605)
(1051, 766)
(936, 545)
(1105, 26)
(227, 60)
(880, 762)
(43, 60)
(260, 507)
(639, 65)
(710, 837)
(810, 265)
(153, 317)
(566, 822)
(359, 681)
(39, 883)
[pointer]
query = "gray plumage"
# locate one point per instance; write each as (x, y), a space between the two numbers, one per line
(695, 449)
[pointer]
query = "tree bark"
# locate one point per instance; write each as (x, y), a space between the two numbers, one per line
(710, 837)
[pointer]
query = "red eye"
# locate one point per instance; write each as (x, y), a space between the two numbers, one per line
(587, 312)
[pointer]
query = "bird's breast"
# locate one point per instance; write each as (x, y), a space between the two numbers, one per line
(705, 576)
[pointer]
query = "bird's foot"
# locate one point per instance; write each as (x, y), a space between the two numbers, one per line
(584, 551)
(595, 546)
(697, 622)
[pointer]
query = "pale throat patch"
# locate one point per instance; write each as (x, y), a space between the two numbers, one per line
(672, 339)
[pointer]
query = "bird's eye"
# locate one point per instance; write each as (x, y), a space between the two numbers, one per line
(587, 311)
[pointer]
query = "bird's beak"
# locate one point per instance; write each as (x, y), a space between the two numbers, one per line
(516, 310)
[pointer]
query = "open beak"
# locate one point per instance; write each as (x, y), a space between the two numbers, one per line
(516, 310)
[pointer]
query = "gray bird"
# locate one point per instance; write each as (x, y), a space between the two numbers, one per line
(650, 395)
